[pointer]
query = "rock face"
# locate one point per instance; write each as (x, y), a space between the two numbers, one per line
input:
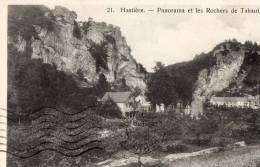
(230, 69)
(88, 47)
(219, 76)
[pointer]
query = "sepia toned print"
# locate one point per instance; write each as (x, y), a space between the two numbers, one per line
(132, 85)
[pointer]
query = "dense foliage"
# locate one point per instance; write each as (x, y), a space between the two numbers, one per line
(36, 85)
(102, 85)
(175, 83)
(21, 20)
(215, 127)
(76, 31)
(234, 123)
(251, 63)
(99, 53)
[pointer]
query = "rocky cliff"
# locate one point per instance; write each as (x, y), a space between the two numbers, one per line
(229, 69)
(214, 79)
(231, 75)
(86, 48)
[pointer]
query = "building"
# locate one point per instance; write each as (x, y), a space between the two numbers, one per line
(160, 108)
(179, 108)
(241, 102)
(123, 100)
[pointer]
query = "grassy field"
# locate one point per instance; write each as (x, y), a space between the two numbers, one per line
(240, 157)
(248, 156)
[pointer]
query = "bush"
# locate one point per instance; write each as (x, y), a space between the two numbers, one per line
(40, 85)
(190, 140)
(102, 85)
(76, 31)
(100, 55)
(204, 139)
(176, 148)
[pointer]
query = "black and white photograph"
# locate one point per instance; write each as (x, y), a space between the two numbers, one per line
(130, 84)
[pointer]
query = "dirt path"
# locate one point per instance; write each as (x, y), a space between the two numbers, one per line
(148, 160)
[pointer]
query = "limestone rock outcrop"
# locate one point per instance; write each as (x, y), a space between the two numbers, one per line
(89, 47)
(227, 70)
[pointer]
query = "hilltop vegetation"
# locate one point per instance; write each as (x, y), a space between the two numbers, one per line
(175, 83)
(182, 81)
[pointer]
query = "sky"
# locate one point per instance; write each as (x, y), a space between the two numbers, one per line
(172, 38)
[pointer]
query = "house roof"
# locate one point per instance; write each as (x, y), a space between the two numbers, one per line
(117, 97)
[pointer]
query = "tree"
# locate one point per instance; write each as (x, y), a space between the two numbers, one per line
(158, 65)
(183, 88)
(99, 53)
(76, 31)
(135, 93)
(160, 89)
(146, 137)
(102, 85)
(140, 141)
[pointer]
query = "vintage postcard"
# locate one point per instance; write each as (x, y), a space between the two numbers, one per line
(130, 83)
